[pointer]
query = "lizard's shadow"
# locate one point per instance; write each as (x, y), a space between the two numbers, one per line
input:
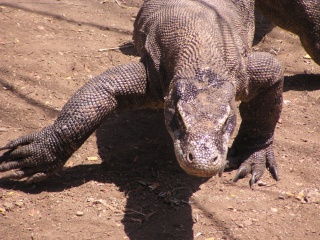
(139, 154)
(302, 82)
(262, 27)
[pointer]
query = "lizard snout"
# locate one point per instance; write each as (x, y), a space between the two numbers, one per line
(214, 161)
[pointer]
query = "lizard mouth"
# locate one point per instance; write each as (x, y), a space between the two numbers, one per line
(200, 167)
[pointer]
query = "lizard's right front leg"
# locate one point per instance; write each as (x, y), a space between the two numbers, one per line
(260, 109)
(43, 153)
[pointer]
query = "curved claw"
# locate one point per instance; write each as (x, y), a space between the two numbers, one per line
(253, 180)
(19, 142)
(38, 177)
(272, 165)
(35, 156)
(256, 175)
(17, 175)
(274, 172)
(237, 177)
(242, 171)
(4, 148)
(255, 163)
(30, 174)
(11, 165)
(15, 154)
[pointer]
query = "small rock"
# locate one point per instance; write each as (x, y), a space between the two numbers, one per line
(18, 203)
(41, 28)
(154, 186)
(262, 184)
(8, 206)
(79, 213)
(312, 196)
(232, 209)
(101, 201)
(90, 199)
(143, 183)
(301, 196)
(198, 235)
(248, 222)
(240, 225)
(285, 195)
(274, 210)
(274, 52)
(309, 196)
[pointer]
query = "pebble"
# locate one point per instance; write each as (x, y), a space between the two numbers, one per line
(309, 196)
(285, 195)
(313, 196)
(90, 199)
(79, 213)
(8, 206)
(248, 222)
(274, 210)
(18, 203)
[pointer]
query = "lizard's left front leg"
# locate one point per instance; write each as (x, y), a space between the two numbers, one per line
(260, 109)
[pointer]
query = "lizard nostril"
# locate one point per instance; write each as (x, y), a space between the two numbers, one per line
(190, 157)
(215, 160)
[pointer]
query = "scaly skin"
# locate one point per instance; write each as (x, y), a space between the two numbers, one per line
(41, 154)
(196, 60)
(301, 17)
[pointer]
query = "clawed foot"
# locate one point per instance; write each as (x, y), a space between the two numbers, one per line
(34, 157)
(254, 162)
(30, 174)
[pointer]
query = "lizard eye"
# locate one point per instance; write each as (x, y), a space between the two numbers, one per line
(229, 124)
(180, 121)
(225, 125)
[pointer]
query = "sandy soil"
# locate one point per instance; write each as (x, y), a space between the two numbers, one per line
(51, 48)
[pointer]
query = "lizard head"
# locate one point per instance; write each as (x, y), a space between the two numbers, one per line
(200, 118)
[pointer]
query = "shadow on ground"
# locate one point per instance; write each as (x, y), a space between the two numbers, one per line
(139, 159)
(302, 82)
(65, 18)
(262, 27)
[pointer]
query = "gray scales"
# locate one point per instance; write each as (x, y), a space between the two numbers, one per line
(196, 61)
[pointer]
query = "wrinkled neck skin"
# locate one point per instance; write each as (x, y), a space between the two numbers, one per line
(200, 117)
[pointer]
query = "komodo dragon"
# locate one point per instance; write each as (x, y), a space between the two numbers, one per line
(196, 61)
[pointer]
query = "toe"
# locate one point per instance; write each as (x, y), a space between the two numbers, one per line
(243, 171)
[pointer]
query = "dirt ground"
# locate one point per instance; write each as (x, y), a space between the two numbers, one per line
(51, 48)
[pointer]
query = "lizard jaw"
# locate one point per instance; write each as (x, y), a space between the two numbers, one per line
(200, 167)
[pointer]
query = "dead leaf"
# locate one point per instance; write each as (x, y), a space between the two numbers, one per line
(154, 186)
(307, 56)
(92, 158)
